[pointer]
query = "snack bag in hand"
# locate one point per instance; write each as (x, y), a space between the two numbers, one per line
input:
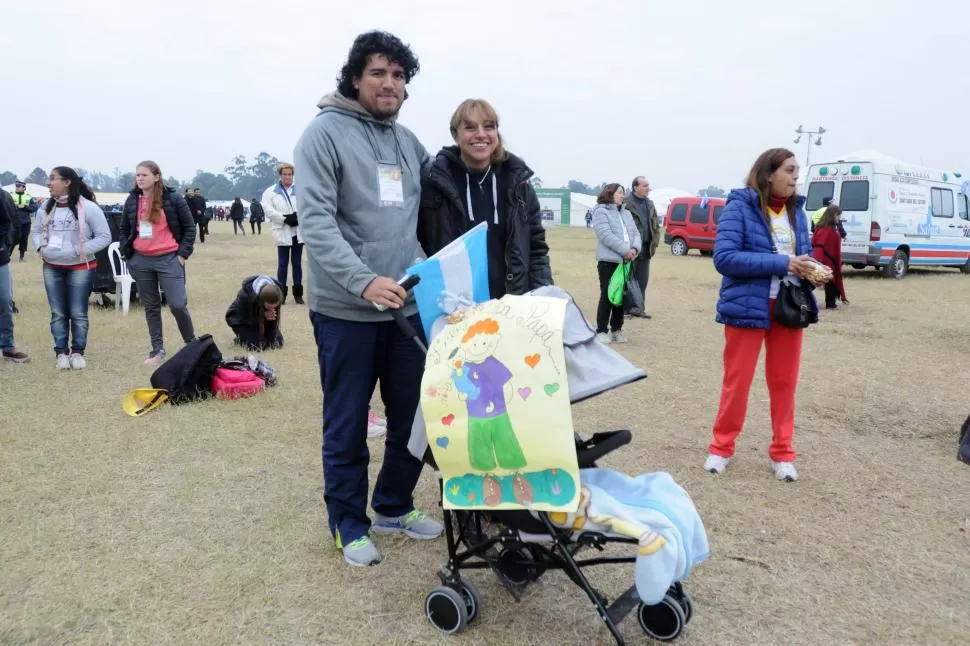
(820, 274)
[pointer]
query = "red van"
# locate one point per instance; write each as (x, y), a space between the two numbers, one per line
(688, 225)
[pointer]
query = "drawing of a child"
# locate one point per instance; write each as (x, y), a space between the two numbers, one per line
(484, 384)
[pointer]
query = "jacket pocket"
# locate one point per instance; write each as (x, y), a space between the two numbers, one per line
(390, 258)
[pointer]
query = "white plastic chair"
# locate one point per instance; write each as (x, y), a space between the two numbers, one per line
(123, 279)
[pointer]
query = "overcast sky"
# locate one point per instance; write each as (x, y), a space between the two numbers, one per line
(687, 91)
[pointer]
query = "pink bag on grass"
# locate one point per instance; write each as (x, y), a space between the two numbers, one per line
(230, 383)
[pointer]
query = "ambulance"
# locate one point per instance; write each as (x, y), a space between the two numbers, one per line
(895, 215)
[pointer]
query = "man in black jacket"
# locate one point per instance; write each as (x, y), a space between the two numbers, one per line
(645, 216)
(197, 205)
(8, 218)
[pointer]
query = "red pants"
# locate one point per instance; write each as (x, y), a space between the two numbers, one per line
(783, 356)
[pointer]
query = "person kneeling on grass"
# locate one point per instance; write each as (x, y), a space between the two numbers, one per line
(255, 314)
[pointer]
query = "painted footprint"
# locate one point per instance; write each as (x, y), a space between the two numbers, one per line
(522, 490)
(491, 491)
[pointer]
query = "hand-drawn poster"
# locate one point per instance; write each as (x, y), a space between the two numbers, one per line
(496, 405)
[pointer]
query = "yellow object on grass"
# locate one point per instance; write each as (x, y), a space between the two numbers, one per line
(142, 400)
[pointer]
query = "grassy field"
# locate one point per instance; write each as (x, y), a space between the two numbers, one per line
(205, 524)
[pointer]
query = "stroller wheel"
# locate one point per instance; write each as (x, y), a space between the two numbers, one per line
(687, 605)
(446, 610)
(472, 598)
(664, 621)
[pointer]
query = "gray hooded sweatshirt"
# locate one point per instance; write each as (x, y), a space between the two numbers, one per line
(352, 236)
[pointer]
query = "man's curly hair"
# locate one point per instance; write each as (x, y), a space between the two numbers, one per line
(366, 45)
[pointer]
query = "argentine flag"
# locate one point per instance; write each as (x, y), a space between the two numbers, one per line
(459, 270)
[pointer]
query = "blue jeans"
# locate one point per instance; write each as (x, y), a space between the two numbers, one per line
(283, 256)
(68, 291)
(6, 309)
(353, 357)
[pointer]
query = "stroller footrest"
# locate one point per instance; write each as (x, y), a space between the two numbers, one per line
(627, 602)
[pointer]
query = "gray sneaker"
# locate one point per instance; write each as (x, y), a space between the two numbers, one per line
(414, 524)
(361, 553)
(619, 337)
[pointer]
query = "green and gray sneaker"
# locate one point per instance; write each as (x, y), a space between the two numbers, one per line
(414, 524)
(361, 552)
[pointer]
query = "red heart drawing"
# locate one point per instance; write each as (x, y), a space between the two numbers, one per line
(448, 419)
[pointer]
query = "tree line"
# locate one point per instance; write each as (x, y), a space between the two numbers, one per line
(240, 178)
(243, 178)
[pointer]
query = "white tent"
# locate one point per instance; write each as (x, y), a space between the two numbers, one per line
(36, 190)
(578, 205)
(41, 193)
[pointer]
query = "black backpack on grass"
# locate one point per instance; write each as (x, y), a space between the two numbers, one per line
(187, 375)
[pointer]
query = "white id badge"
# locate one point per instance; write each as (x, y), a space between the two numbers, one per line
(390, 184)
(145, 230)
(55, 241)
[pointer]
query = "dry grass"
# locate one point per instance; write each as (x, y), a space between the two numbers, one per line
(205, 524)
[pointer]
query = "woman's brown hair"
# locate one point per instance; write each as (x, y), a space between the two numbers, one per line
(767, 163)
(606, 195)
(155, 206)
(828, 218)
(485, 113)
(268, 295)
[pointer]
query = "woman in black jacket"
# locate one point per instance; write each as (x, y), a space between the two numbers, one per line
(237, 213)
(256, 215)
(478, 181)
(255, 314)
(157, 236)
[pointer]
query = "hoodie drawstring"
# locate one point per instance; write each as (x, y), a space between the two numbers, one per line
(468, 196)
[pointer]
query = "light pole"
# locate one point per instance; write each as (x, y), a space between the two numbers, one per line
(799, 131)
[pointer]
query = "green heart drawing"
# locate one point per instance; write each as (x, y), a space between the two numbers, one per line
(551, 389)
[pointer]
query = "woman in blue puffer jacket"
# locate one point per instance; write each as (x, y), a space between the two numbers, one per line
(762, 237)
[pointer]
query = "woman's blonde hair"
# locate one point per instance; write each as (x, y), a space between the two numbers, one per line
(485, 113)
(282, 166)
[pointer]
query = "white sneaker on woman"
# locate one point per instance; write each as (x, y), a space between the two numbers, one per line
(716, 463)
(785, 471)
(63, 362)
(78, 361)
(604, 338)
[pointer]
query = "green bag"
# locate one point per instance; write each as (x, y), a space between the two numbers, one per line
(617, 283)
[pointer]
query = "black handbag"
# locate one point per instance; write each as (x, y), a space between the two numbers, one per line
(795, 306)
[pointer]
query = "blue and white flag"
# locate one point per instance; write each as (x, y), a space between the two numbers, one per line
(704, 200)
(459, 271)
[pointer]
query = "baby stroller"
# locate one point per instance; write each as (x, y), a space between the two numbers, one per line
(519, 546)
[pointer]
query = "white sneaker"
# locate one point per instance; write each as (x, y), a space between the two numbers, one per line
(376, 427)
(785, 471)
(78, 362)
(619, 337)
(604, 338)
(63, 362)
(716, 463)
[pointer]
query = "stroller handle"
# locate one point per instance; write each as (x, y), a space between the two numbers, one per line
(408, 282)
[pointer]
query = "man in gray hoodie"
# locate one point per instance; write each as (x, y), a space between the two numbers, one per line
(360, 179)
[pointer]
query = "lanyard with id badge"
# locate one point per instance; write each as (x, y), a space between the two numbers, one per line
(390, 184)
(390, 187)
